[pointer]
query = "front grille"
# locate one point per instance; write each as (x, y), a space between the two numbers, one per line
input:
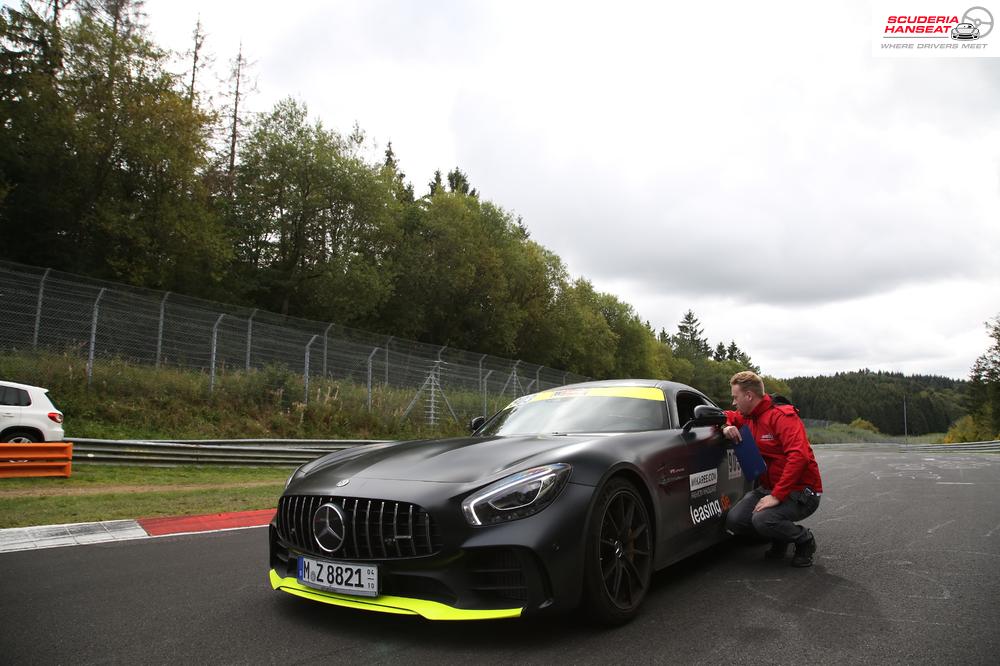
(498, 572)
(376, 529)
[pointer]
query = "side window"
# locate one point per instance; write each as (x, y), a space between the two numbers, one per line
(686, 402)
(8, 396)
(24, 398)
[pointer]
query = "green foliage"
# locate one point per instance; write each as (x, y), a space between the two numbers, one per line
(968, 429)
(984, 386)
(689, 342)
(311, 221)
(861, 424)
(102, 153)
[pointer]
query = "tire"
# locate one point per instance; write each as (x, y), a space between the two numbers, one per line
(22, 437)
(618, 555)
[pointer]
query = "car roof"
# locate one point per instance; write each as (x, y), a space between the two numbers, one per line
(27, 387)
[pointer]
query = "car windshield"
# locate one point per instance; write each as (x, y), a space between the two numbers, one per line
(602, 409)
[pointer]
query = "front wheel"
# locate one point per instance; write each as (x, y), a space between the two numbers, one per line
(619, 554)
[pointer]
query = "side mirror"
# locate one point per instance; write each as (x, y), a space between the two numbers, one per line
(476, 423)
(706, 415)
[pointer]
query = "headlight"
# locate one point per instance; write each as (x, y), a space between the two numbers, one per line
(518, 496)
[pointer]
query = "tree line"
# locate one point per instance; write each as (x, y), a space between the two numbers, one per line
(930, 404)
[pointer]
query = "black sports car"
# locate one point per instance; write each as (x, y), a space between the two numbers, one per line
(567, 497)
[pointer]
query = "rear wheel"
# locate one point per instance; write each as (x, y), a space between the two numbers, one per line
(619, 554)
(21, 437)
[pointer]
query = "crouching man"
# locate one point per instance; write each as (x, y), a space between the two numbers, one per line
(790, 488)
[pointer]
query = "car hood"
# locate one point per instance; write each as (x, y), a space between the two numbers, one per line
(459, 460)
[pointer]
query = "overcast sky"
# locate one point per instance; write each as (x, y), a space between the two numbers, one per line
(827, 209)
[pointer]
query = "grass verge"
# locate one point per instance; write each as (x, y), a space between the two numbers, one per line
(99, 492)
(839, 433)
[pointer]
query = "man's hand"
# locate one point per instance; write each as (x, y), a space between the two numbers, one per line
(766, 502)
(733, 433)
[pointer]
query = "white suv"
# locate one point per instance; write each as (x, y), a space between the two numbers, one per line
(27, 415)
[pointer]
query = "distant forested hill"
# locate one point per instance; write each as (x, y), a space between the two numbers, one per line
(932, 403)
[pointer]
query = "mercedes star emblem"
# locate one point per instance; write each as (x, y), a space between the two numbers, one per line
(329, 527)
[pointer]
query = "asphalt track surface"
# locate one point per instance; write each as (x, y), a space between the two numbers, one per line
(907, 571)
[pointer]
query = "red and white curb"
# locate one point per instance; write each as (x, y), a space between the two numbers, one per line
(76, 534)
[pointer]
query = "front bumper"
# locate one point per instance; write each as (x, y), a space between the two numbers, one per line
(431, 610)
(522, 567)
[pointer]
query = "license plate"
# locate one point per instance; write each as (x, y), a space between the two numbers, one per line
(343, 577)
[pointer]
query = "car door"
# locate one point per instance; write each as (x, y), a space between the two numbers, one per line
(10, 408)
(713, 485)
(669, 469)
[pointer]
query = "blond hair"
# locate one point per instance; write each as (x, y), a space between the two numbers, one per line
(749, 381)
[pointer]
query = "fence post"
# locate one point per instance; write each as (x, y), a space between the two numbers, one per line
(326, 333)
(159, 330)
(38, 309)
(93, 338)
(250, 336)
(481, 359)
(538, 383)
(215, 336)
(308, 346)
(565, 376)
(387, 359)
(485, 380)
(370, 378)
(435, 371)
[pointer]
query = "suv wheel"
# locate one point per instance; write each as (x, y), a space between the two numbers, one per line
(22, 437)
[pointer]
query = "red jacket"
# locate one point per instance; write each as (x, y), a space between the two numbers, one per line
(781, 438)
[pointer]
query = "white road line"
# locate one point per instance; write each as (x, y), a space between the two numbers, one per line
(955, 483)
(990, 533)
(931, 530)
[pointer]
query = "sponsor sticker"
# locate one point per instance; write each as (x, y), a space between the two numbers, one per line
(700, 514)
(711, 509)
(703, 479)
(735, 471)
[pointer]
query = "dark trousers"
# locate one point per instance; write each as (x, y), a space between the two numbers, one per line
(777, 523)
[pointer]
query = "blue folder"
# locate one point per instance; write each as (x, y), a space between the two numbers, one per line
(748, 454)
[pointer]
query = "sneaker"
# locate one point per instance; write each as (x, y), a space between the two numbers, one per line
(777, 551)
(804, 553)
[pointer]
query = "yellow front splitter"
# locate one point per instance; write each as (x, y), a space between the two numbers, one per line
(431, 610)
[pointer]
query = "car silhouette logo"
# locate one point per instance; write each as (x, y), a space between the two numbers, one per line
(965, 31)
(329, 527)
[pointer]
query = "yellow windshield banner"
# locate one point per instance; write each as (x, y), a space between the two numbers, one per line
(636, 392)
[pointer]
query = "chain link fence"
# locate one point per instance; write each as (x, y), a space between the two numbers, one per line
(47, 310)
